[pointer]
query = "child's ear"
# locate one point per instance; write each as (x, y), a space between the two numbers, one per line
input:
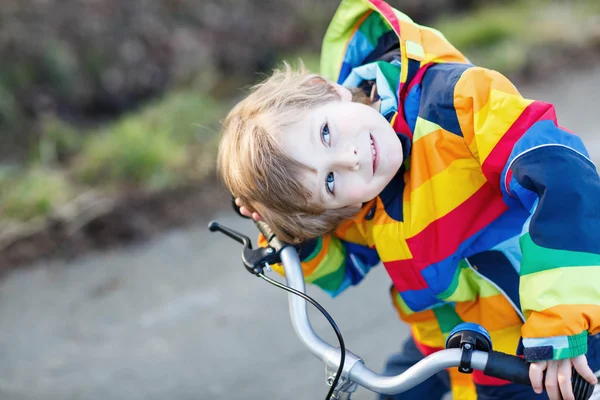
(344, 93)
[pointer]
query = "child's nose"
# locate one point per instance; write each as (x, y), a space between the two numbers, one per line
(349, 159)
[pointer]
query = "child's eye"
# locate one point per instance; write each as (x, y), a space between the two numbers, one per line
(325, 137)
(330, 183)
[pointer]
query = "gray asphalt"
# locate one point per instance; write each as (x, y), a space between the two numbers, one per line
(179, 318)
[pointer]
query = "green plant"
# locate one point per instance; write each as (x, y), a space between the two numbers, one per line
(187, 116)
(484, 28)
(153, 147)
(59, 141)
(506, 36)
(129, 153)
(34, 192)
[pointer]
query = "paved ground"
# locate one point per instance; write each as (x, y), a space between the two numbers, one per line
(178, 318)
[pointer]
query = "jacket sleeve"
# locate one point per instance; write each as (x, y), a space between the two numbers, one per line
(337, 260)
(538, 165)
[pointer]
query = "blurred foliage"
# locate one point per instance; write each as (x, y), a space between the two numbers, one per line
(128, 154)
(95, 60)
(310, 60)
(9, 111)
(153, 148)
(128, 95)
(89, 61)
(169, 142)
(33, 192)
(505, 36)
(482, 28)
(58, 142)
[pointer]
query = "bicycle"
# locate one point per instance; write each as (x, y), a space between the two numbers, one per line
(468, 346)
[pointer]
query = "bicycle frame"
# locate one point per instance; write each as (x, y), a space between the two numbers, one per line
(355, 372)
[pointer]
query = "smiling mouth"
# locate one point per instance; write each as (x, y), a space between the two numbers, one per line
(373, 153)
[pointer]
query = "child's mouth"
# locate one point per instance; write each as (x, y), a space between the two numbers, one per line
(373, 153)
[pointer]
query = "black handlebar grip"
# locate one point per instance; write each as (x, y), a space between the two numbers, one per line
(515, 369)
(505, 366)
(265, 230)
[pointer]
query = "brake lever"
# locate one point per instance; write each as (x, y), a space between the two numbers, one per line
(255, 260)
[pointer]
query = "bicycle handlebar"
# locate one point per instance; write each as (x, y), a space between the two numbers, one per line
(354, 367)
(492, 363)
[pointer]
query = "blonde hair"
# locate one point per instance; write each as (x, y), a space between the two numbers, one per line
(254, 167)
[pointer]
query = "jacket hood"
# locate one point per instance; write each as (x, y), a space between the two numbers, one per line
(363, 31)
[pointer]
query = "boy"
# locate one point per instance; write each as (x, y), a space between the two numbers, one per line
(472, 197)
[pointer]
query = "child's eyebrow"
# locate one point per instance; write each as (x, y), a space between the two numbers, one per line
(315, 140)
(321, 198)
(319, 186)
(312, 124)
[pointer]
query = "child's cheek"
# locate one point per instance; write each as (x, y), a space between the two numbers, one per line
(354, 195)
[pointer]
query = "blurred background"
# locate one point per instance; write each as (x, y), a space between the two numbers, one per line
(111, 287)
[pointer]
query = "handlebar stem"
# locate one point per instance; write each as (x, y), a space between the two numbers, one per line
(345, 384)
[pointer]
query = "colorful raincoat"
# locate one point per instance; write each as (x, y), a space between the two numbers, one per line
(494, 217)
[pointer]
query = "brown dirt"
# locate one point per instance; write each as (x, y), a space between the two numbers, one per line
(133, 218)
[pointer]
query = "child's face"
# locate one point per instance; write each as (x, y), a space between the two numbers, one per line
(352, 147)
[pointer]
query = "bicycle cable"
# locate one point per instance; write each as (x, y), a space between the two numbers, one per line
(331, 321)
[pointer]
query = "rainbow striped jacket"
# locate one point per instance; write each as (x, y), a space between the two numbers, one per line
(494, 217)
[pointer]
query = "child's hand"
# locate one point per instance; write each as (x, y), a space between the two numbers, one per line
(558, 376)
(246, 212)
